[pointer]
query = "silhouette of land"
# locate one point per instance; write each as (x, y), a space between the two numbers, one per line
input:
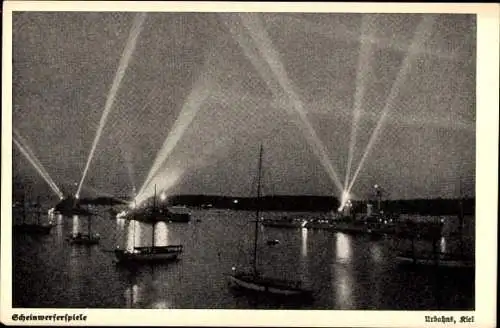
(436, 206)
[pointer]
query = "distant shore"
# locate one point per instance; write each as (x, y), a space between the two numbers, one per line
(435, 206)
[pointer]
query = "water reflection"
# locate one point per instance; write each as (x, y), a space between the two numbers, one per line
(304, 243)
(132, 296)
(163, 304)
(161, 234)
(342, 247)
(342, 274)
(376, 252)
(133, 231)
(442, 245)
(76, 272)
(120, 224)
(76, 224)
(120, 235)
(343, 289)
(303, 258)
(59, 227)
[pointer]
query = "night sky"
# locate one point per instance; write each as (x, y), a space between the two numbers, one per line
(283, 80)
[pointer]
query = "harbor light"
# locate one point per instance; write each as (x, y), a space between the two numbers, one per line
(345, 201)
(235, 201)
(163, 196)
(121, 215)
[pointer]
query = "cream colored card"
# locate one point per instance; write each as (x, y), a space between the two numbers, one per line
(361, 102)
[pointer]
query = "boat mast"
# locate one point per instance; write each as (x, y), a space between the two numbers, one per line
(257, 214)
(24, 206)
(133, 222)
(38, 210)
(153, 223)
(89, 220)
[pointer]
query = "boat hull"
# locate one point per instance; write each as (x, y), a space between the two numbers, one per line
(84, 239)
(261, 287)
(147, 255)
(365, 229)
(440, 262)
(279, 224)
(159, 217)
(325, 226)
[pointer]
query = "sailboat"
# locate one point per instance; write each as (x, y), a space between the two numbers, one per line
(88, 238)
(33, 228)
(253, 280)
(437, 258)
(151, 253)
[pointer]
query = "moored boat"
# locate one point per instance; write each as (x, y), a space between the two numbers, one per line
(84, 238)
(440, 259)
(456, 259)
(37, 228)
(88, 238)
(151, 253)
(285, 222)
(319, 223)
(154, 215)
(255, 281)
(258, 283)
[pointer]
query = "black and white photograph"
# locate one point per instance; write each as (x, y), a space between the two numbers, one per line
(245, 160)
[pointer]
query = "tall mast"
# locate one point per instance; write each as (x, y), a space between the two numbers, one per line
(153, 223)
(257, 214)
(24, 206)
(89, 220)
(133, 222)
(154, 201)
(38, 206)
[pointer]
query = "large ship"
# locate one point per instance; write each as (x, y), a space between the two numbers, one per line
(154, 215)
(70, 206)
(285, 222)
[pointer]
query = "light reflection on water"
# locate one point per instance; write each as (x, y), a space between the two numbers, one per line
(161, 234)
(442, 245)
(133, 230)
(343, 247)
(376, 252)
(343, 291)
(59, 227)
(132, 296)
(76, 224)
(346, 272)
(304, 242)
(303, 258)
(342, 279)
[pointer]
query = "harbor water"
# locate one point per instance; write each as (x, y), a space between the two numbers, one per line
(345, 272)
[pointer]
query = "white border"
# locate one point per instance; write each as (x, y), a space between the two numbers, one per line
(486, 176)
